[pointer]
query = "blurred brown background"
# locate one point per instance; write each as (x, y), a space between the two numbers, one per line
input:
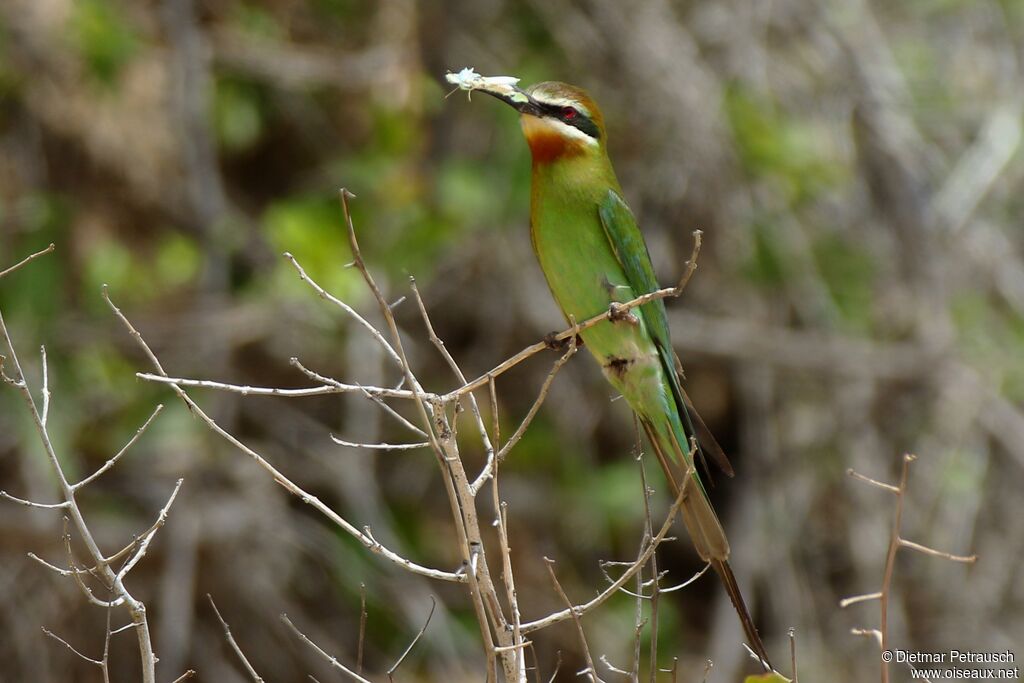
(855, 167)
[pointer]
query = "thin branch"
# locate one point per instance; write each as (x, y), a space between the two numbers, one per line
(874, 482)
(327, 296)
(445, 447)
(362, 627)
(45, 389)
(853, 600)
(618, 310)
(185, 676)
(491, 467)
(443, 350)
(330, 659)
(143, 545)
(110, 463)
(381, 446)
(336, 388)
(233, 643)
(792, 654)
(113, 582)
(368, 542)
(391, 671)
(591, 669)
(97, 662)
(29, 503)
(580, 610)
(967, 559)
(28, 259)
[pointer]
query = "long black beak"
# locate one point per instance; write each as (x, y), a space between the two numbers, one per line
(514, 96)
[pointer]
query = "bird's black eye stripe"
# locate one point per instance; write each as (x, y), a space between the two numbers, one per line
(574, 117)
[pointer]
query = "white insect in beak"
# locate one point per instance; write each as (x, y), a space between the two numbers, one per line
(469, 80)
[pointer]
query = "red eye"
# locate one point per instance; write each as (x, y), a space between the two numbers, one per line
(568, 113)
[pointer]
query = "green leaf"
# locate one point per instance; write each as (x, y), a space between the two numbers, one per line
(103, 37)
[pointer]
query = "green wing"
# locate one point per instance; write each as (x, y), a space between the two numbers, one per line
(631, 251)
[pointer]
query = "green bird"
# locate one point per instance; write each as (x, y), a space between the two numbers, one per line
(593, 255)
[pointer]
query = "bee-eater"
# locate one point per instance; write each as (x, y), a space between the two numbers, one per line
(593, 255)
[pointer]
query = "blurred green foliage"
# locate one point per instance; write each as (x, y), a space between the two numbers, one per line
(104, 36)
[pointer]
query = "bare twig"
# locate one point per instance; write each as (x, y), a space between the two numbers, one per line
(443, 350)
(327, 296)
(97, 662)
(368, 541)
(336, 388)
(233, 643)
(362, 628)
(580, 610)
(416, 639)
(792, 654)
(29, 503)
(491, 466)
(381, 446)
(110, 463)
(966, 559)
(591, 669)
(330, 659)
(27, 260)
(143, 545)
(853, 600)
(45, 388)
(881, 634)
(113, 582)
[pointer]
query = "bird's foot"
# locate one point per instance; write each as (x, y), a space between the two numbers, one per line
(552, 341)
(618, 314)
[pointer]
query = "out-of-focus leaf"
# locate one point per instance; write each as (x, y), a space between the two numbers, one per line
(103, 36)
(771, 144)
(238, 114)
(766, 263)
(177, 260)
(849, 273)
(311, 229)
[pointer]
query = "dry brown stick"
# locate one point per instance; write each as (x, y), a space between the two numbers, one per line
(416, 639)
(27, 260)
(890, 561)
(655, 577)
(445, 448)
(591, 669)
(332, 660)
(443, 350)
(368, 541)
(362, 628)
(580, 610)
(491, 466)
(124, 449)
(895, 543)
(327, 296)
(617, 309)
(51, 634)
(501, 512)
(113, 582)
(233, 643)
(792, 654)
(245, 390)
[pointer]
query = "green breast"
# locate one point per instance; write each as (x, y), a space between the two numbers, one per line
(577, 259)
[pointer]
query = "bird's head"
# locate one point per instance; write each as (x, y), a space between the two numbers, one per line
(559, 120)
